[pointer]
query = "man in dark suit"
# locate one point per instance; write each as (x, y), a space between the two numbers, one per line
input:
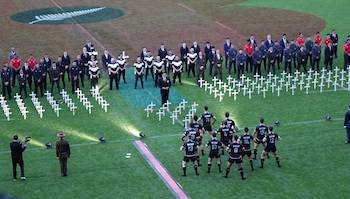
(218, 64)
(283, 43)
(301, 58)
(89, 46)
(334, 38)
(183, 54)
(196, 47)
(241, 60)
(6, 79)
(200, 65)
(212, 55)
(263, 48)
(17, 149)
(85, 57)
(162, 53)
(257, 58)
(347, 124)
(207, 50)
(227, 46)
(143, 53)
(288, 56)
(66, 63)
(309, 44)
(55, 77)
(253, 41)
(232, 52)
(268, 41)
(329, 52)
(106, 59)
(271, 59)
(81, 66)
(74, 72)
(164, 85)
(316, 56)
(62, 152)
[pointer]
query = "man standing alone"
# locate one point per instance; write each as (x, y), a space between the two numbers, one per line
(17, 158)
(164, 84)
(62, 152)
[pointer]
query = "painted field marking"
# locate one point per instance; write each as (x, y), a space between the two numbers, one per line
(160, 170)
(188, 8)
(225, 26)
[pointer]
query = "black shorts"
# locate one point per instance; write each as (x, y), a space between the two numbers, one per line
(208, 128)
(187, 159)
(248, 153)
(268, 149)
(258, 141)
(213, 154)
(224, 142)
(238, 161)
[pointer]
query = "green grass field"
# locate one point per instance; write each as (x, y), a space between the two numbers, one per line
(312, 151)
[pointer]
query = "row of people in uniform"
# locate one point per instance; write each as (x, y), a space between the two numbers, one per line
(236, 146)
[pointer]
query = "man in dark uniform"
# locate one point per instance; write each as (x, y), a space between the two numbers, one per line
(347, 124)
(334, 38)
(89, 46)
(206, 117)
(162, 52)
(212, 55)
(113, 70)
(17, 149)
(227, 46)
(138, 68)
(301, 57)
(5, 78)
(62, 152)
(246, 138)
(260, 130)
(230, 122)
(81, 67)
(271, 61)
(270, 139)
(85, 58)
(60, 65)
(106, 59)
(288, 56)
(66, 64)
(207, 50)
(194, 135)
(263, 48)
(55, 77)
(200, 66)
(190, 148)
(22, 80)
(122, 66)
(74, 73)
(164, 85)
(183, 53)
(329, 53)
(294, 48)
(177, 69)
(43, 66)
(215, 146)
(316, 56)
(231, 53)
(235, 149)
(38, 79)
(196, 47)
(241, 59)
(218, 64)
(283, 43)
(309, 44)
(226, 134)
(158, 66)
(28, 72)
(257, 59)
(278, 51)
(48, 62)
(143, 53)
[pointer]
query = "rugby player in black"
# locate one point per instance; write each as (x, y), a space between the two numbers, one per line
(261, 131)
(246, 138)
(190, 149)
(225, 135)
(230, 122)
(195, 136)
(206, 116)
(235, 149)
(270, 139)
(199, 127)
(215, 146)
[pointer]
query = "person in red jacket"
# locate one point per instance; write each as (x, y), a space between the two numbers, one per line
(318, 38)
(249, 48)
(16, 65)
(346, 49)
(300, 40)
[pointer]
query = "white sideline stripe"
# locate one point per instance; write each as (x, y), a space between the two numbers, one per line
(171, 135)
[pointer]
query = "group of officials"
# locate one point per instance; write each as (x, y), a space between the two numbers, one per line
(236, 146)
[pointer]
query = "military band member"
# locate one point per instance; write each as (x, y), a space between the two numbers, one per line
(66, 63)
(158, 67)
(22, 80)
(168, 59)
(241, 59)
(301, 57)
(60, 65)
(74, 74)
(164, 85)
(235, 149)
(177, 69)
(231, 53)
(226, 134)
(113, 70)
(257, 59)
(6, 80)
(206, 117)
(191, 61)
(316, 56)
(190, 148)
(260, 132)
(28, 72)
(218, 64)
(122, 67)
(148, 60)
(106, 59)
(81, 67)
(200, 66)
(62, 153)
(55, 77)
(183, 53)
(44, 67)
(246, 138)
(214, 144)
(38, 79)
(138, 68)
(270, 140)
(94, 73)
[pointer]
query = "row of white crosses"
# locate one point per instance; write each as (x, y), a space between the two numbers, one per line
(276, 84)
(86, 103)
(96, 94)
(5, 107)
(187, 119)
(56, 108)
(37, 105)
(67, 100)
(150, 108)
(21, 106)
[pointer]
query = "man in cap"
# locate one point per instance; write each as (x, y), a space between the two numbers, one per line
(62, 152)
(17, 158)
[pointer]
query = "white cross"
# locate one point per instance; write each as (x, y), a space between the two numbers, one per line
(323, 71)
(244, 90)
(47, 93)
(201, 81)
(125, 56)
(309, 78)
(302, 76)
(205, 84)
(177, 111)
(239, 85)
(329, 81)
(72, 107)
(243, 77)
(225, 86)
(307, 87)
(287, 86)
(267, 85)
(167, 104)
(253, 85)
(221, 95)
(270, 75)
(32, 95)
(321, 86)
(336, 70)
(211, 88)
(283, 74)
(194, 107)
(295, 80)
(248, 81)
(215, 91)
(275, 78)
(278, 89)
(293, 88)
(229, 80)
(335, 85)
(281, 81)
(186, 121)
(258, 87)
(235, 95)
(315, 83)
(262, 79)
(190, 114)
(250, 93)
(17, 96)
(342, 79)
(273, 87)
(105, 105)
(230, 89)
(152, 105)
(220, 83)
(301, 83)
(296, 73)
(330, 73)
(234, 82)
(88, 106)
(289, 77)
(215, 80)
(256, 76)
(264, 91)
(310, 72)
(173, 117)
(57, 110)
(24, 113)
(40, 110)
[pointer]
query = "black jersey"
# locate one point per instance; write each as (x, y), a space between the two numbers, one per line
(94, 70)
(235, 150)
(261, 130)
(214, 145)
(177, 64)
(121, 62)
(190, 148)
(193, 133)
(246, 138)
(230, 122)
(158, 65)
(138, 66)
(225, 133)
(149, 61)
(206, 118)
(198, 126)
(271, 139)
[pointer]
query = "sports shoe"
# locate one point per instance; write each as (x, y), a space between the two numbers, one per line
(23, 178)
